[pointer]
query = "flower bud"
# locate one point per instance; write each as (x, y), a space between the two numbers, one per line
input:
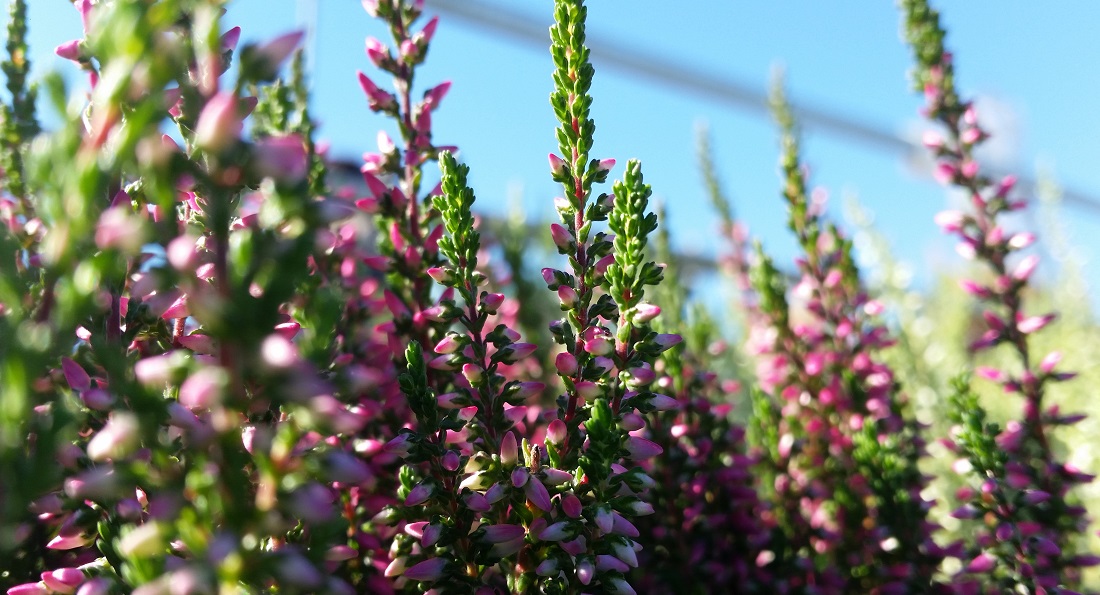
(429, 570)
(509, 450)
(644, 313)
(557, 165)
(556, 432)
(566, 364)
(219, 124)
(490, 302)
(118, 438)
(562, 237)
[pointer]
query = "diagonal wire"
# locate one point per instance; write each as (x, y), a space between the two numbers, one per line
(518, 26)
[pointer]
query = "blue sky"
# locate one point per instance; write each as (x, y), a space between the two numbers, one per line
(1034, 62)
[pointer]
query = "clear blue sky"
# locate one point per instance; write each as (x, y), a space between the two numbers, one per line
(1036, 61)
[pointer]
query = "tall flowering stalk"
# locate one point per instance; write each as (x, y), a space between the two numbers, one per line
(467, 502)
(833, 418)
(1028, 527)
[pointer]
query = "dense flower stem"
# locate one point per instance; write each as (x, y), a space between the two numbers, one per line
(1029, 484)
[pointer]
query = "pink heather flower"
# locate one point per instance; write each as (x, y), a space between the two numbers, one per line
(1026, 267)
(70, 50)
(371, 6)
(945, 172)
(605, 165)
(951, 221)
(638, 448)
(183, 253)
(603, 263)
(568, 296)
(644, 313)
(407, 50)
(276, 51)
(520, 476)
(549, 276)
(118, 438)
(424, 37)
(491, 302)
(30, 589)
(556, 432)
(509, 450)
(1021, 240)
(517, 351)
(435, 95)
(69, 541)
(604, 519)
(448, 344)
(219, 124)
(969, 169)
(378, 52)
(571, 506)
(97, 483)
(992, 374)
(279, 352)
(429, 570)
(981, 564)
(450, 460)
(602, 364)
(440, 275)
(63, 580)
(230, 39)
(586, 570)
(502, 533)
(975, 289)
(563, 238)
(119, 228)
(203, 388)
(1050, 362)
(588, 390)
(641, 376)
(375, 185)
(477, 502)
(556, 477)
(395, 567)
(556, 532)
(548, 567)
(96, 586)
(472, 372)
(526, 390)
(606, 562)
(664, 402)
(1032, 324)
(401, 445)
(537, 495)
(419, 495)
(932, 139)
(597, 344)
(966, 249)
(75, 375)
(557, 165)
(282, 158)
(667, 340)
(566, 364)
(625, 553)
(377, 99)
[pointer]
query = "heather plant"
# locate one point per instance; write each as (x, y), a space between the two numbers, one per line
(838, 460)
(1021, 490)
(221, 373)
